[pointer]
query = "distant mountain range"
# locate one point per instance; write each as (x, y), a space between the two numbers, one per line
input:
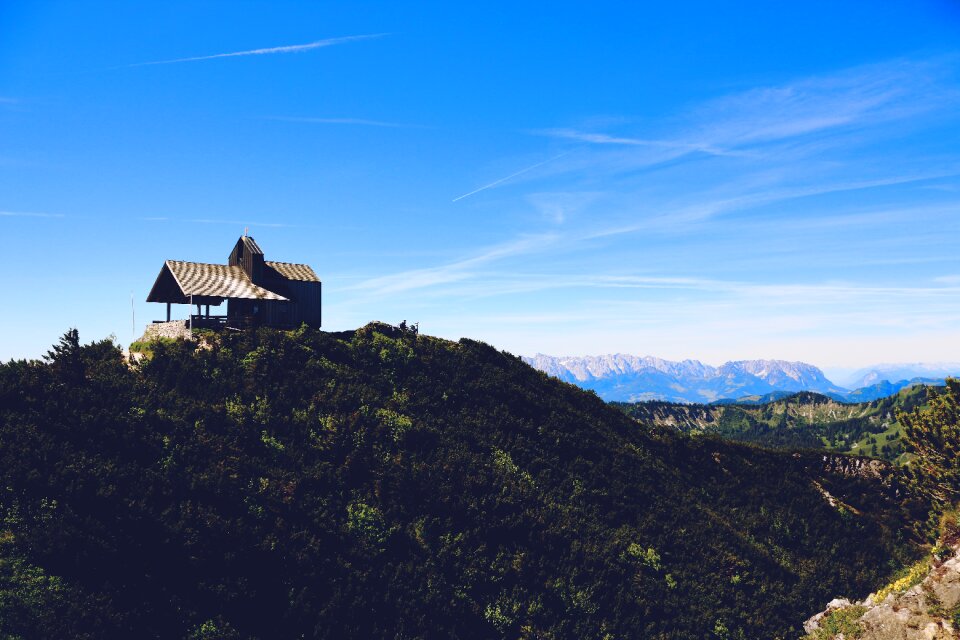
(887, 372)
(627, 378)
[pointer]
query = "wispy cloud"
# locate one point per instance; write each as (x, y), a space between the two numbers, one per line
(799, 119)
(347, 121)
(511, 176)
(606, 139)
(867, 94)
(29, 214)
(249, 223)
(676, 219)
(768, 125)
(292, 48)
(457, 271)
(559, 206)
(471, 283)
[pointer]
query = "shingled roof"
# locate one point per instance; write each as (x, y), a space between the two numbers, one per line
(215, 281)
(292, 271)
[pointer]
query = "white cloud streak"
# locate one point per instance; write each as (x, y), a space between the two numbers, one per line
(511, 176)
(347, 121)
(458, 271)
(472, 282)
(249, 223)
(605, 139)
(29, 214)
(765, 123)
(676, 219)
(293, 48)
(761, 124)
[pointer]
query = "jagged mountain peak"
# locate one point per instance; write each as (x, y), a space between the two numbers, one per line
(583, 368)
(628, 377)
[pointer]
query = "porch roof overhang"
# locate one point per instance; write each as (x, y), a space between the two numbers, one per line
(206, 283)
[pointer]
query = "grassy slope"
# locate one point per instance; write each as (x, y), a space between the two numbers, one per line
(386, 485)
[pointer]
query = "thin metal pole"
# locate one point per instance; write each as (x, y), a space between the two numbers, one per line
(190, 321)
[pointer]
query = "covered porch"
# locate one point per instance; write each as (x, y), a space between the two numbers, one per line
(203, 318)
(202, 286)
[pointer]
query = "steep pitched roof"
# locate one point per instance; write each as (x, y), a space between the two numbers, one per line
(251, 245)
(215, 280)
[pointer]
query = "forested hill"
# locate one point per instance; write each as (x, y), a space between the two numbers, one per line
(381, 484)
(800, 420)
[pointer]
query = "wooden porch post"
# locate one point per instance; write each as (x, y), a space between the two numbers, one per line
(168, 312)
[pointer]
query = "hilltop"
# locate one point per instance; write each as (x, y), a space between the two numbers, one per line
(383, 484)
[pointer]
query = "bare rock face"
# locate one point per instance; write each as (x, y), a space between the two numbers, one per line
(922, 612)
(855, 467)
(173, 329)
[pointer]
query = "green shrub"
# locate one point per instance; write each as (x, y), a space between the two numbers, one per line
(845, 621)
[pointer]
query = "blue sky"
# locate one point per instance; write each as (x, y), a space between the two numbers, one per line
(676, 179)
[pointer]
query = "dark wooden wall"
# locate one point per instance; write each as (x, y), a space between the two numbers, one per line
(304, 307)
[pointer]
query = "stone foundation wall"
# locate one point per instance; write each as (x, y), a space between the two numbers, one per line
(173, 329)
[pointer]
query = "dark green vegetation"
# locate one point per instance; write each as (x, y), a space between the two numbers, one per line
(933, 436)
(380, 484)
(801, 420)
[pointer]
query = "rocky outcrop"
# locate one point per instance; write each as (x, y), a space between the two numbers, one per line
(856, 467)
(926, 611)
(173, 329)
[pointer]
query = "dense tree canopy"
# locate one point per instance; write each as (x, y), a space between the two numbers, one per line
(383, 484)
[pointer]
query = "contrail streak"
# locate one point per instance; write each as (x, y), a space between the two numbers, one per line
(358, 121)
(512, 175)
(30, 214)
(292, 48)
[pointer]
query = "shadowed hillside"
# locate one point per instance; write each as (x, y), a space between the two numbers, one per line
(381, 484)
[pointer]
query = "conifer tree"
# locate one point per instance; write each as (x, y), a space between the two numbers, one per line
(932, 434)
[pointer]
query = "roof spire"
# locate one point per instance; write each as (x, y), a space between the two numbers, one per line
(245, 230)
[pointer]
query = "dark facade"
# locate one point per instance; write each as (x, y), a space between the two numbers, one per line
(258, 292)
